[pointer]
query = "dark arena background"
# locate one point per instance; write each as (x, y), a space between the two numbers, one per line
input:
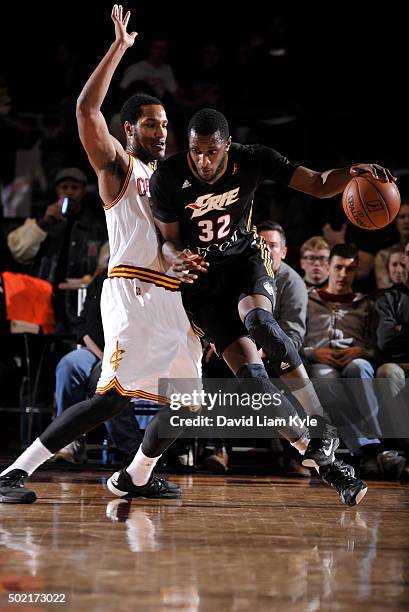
(254, 530)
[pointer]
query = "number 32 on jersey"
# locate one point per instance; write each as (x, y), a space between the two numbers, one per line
(211, 229)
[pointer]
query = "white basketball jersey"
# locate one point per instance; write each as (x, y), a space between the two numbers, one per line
(131, 229)
(147, 333)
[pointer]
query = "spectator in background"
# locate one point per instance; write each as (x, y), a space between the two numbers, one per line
(340, 344)
(396, 265)
(205, 77)
(314, 256)
(62, 245)
(372, 272)
(19, 159)
(8, 135)
(393, 342)
(154, 71)
(382, 263)
(291, 300)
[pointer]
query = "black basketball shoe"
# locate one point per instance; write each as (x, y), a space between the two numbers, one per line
(12, 489)
(322, 445)
(341, 476)
(121, 484)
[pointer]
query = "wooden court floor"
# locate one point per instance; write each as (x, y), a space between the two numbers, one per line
(230, 543)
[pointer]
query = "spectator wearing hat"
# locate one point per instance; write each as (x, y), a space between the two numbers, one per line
(65, 242)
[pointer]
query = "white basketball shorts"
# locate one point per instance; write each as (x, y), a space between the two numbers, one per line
(147, 336)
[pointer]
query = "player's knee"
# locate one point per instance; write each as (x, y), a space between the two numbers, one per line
(264, 330)
(110, 403)
(252, 370)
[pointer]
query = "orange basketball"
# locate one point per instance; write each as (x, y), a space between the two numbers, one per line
(370, 204)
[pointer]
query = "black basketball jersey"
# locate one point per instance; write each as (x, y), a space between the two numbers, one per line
(215, 218)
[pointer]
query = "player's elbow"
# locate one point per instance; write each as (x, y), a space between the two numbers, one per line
(80, 109)
(83, 108)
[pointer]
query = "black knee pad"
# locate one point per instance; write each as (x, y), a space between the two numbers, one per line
(252, 370)
(266, 332)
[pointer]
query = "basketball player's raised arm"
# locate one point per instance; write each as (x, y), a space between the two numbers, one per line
(101, 147)
(329, 183)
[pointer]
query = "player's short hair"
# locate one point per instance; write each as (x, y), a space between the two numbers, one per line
(269, 226)
(315, 243)
(132, 108)
(207, 122)
(347, 251)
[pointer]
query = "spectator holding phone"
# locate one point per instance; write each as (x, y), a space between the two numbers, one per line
(65, 242)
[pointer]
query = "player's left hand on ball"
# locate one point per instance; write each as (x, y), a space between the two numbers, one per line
(377, 172)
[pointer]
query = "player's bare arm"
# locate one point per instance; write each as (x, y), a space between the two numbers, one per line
(105, 153)
(331, 182)
(183, 262)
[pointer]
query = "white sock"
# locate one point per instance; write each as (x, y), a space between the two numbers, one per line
(141, 468)
(302, 443)
(308, 398)
(31, 458)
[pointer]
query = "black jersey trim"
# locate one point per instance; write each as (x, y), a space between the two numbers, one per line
(249, 218)
(146, 275)
(124, 186)
(199, 332)
(264, 252)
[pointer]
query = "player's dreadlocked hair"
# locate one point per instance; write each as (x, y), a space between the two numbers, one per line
(132, 108)
(207, 122)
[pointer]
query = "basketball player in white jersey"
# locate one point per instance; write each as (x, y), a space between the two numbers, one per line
(147, 333)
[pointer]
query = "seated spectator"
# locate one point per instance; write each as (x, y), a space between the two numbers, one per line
(291, 299)
(62, 244)
(75, 371)
(382, 273)
(367, 244)
(396, 265)
(393, 342)
(340, 344)
(314, 255)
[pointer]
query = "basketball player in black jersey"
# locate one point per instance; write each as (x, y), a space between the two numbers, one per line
(202, 202)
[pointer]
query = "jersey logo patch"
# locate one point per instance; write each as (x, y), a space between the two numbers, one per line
(268, 287)
(211, 201)
(116, 357)
(186, 184)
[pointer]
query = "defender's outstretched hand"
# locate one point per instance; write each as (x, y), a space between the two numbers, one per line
(121, 24)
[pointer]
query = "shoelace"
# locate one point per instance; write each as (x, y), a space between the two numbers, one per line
(159, 483)
(17, 480)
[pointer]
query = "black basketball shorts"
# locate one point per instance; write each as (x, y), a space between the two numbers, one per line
(212, 300)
